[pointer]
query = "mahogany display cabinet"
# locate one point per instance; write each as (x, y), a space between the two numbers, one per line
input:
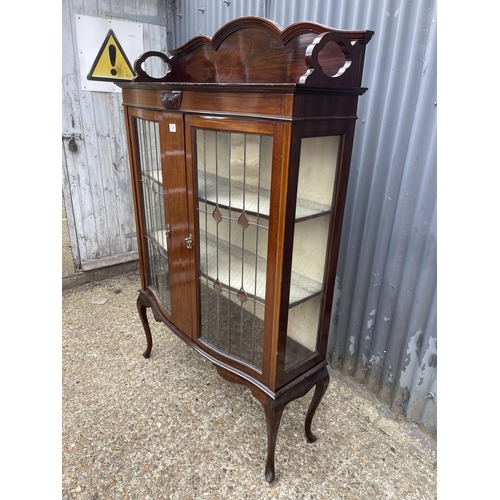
(240, 160)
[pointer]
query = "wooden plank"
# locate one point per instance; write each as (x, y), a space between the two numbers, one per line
(157, 36)
(77, 173)
(122, 177)
(68, 204)
(112, 260)
(125, 182)
(89, 8)
(70, 124)
(141, 7)
(90, 114)
(104, 6)
(121, 174)
(105, 160)
(116, 6)
(96, 178)
(89, 238)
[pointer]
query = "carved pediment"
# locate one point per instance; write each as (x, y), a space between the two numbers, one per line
(256, 50)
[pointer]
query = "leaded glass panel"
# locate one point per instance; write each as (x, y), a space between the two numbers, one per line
(233, 186)
(148, 142)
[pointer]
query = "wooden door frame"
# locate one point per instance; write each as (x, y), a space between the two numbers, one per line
(273, 286)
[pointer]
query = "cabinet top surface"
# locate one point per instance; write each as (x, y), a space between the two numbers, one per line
(258, 52)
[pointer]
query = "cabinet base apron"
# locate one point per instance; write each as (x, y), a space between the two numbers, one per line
(273, 402)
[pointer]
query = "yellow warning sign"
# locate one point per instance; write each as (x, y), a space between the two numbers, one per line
(111, 63)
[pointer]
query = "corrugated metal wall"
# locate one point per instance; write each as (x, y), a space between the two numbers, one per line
(384, 333)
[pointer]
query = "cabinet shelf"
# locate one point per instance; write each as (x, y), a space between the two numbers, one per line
(231, 195)
(233, 262)
(255, 200)
(239, 267)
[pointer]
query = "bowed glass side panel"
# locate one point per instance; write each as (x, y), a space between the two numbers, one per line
(148, 142)
(313, 212)
(233, 189)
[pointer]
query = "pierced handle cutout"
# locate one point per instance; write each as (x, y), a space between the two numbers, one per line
(143, 75)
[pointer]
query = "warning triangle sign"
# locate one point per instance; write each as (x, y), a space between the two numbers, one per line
(111, 63)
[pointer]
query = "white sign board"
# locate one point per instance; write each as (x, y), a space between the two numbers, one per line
(104, 46)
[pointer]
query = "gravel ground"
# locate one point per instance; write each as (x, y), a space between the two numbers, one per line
(169, 427)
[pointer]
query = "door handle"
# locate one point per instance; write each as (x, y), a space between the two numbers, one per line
(189, 242)
(167, 231)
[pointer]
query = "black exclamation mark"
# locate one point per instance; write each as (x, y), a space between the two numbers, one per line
(112, 58)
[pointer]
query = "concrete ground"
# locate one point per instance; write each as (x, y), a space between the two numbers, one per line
(170, 427)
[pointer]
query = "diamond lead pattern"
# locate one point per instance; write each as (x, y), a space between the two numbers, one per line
(242, 295)
(243, 221)
(217, 215)
(229, 168)
(217, 286)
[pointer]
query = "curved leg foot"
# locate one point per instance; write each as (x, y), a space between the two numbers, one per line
(319, 392)
(273, 417)
(142, 306)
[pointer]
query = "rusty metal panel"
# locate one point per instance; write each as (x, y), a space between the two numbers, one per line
(384, 330)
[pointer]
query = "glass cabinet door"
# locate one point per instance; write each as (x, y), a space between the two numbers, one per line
(233, 177)
(313, 212)
(151, 186)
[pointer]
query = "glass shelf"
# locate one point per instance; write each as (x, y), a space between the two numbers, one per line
(256, 200)
(231, 195)
(235, 263)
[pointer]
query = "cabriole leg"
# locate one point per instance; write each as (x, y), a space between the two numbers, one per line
(319, 392)
(142, 306)
(273, 417)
